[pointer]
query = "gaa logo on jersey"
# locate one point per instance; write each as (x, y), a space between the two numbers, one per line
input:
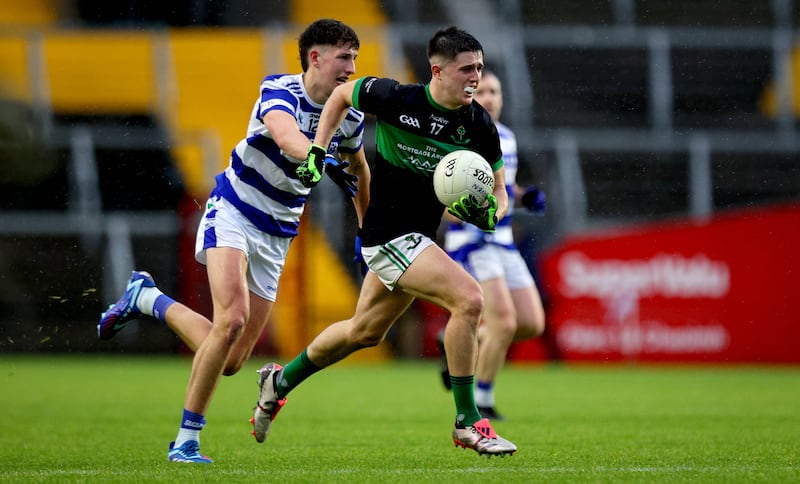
(409, 120)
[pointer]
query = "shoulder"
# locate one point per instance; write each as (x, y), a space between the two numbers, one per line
(480, 114)
(369, 83)
(385, 86)
(286, 82)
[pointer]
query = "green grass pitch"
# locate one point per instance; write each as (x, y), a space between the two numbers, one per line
(110, 419)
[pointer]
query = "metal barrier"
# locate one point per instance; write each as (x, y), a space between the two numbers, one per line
(85, 217)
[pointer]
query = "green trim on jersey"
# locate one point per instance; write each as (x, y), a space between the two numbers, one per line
(434, 103)
(497, 164)
(401, 148)
(356, 90)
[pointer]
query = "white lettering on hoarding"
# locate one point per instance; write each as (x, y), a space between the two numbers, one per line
(648, 338)
(667, 275)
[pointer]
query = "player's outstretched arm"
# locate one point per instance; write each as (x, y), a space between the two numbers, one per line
(334, 112)
(286, 133)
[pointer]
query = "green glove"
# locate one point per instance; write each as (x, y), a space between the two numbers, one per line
(469, 210)
(310, 171)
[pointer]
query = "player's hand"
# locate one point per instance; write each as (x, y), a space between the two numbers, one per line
(483, 216)
(335, 170)
(359, 258)
(534, 200)
(310, 171)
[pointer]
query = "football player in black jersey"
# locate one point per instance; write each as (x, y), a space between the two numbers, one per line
(416, 126)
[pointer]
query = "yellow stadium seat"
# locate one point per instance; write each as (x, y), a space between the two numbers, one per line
(27, 13)
(15, 80)
(356, 13)
(217, 73)
(101, 72)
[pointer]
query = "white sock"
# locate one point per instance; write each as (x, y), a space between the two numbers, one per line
(484, 398)
(147, 299)
(186, 434)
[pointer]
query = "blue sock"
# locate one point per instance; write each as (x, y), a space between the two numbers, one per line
(163, 302)
(191, 425)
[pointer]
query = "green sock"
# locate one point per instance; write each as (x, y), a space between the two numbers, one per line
(294, 373)
(464, 395)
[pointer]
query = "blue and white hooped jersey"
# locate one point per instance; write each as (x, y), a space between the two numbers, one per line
(260, 180)
(462, 238)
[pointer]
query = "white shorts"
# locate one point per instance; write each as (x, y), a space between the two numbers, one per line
(493, 261)
(223, 225)
(390, 260)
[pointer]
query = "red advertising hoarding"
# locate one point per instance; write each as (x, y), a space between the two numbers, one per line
(722, 290)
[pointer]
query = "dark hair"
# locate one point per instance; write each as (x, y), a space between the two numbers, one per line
(452, 41)
(325, 31)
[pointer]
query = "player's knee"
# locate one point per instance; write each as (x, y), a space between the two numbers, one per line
(232, 324)
(469, 304)
(504, 320)
(531, 326)
(235, 331)
(506, 327)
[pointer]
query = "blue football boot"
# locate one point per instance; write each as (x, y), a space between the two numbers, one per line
(118, 314)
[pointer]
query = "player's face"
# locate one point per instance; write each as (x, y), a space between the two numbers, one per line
(460, 78)
(336, 64)
(490, 95)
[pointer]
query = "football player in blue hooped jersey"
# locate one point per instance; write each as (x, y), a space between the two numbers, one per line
(514, 310)
(416, 126)
(251, 217)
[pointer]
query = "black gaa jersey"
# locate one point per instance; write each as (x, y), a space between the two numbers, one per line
(413, 133)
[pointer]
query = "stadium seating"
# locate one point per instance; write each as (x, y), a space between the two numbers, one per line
(101, 72)
(30, 13)
(647, 91)
(216, 76)
(363, 13)
(646, 13)
(15, 82)
(705, 13)
(591, 68)
(170, 98)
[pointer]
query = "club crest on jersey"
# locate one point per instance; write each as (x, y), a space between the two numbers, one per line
(461, 131)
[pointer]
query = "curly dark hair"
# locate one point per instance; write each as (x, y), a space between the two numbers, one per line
(452, 41)
(325, 31)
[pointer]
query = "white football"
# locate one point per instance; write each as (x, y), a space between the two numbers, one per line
(460, 173)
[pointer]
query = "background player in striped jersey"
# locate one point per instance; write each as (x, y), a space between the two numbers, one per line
(416, 126)
(513, 307)
(251, 217)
